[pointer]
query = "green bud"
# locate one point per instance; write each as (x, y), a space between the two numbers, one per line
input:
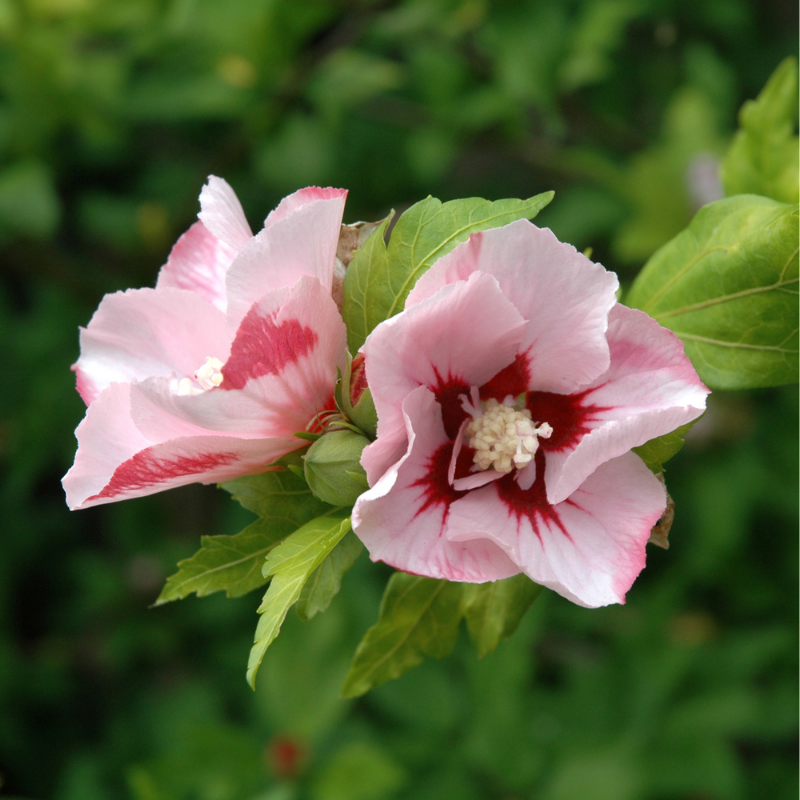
(356, 398)
(333, 470)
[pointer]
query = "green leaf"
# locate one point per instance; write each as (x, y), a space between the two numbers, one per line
(418, 617)
(727, 285)
(658, 451)
(279, 495)
(326, 581)
(380, 277)
(763, 158)
(233, 564)
(290, 565)
(225, 563)
(495, 609)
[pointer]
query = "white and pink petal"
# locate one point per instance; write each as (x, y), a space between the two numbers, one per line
(403, 518)
(140, 333)
(564, 297)
(198, 262)
(589, 548)
(301, 241)
(649, 390)
(223, 215)
(458, 338)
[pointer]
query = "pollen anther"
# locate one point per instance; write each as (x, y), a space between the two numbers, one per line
(502, 436)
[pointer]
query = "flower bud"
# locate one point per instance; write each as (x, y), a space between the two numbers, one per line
(356, 397)
(333, 468)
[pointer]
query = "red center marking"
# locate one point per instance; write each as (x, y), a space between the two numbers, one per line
(146, 469)
(566, 415)
(530, 504)
(263, 348)
(448, 393)
(436, 488)
(511, 380)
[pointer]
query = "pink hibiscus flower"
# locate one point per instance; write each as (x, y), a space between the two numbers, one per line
(509, 393)
(207, 376)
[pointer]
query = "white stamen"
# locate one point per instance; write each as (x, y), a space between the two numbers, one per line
(209, 376)
(502, 436)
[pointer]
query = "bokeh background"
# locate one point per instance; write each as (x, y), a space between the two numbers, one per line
(112, 114)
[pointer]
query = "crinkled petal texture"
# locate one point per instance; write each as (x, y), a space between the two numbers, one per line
(514, 317)
(182, 385)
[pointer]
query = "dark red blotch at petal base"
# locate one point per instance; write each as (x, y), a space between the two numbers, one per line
(146, 469)
(358, 379)
(436, 488)
(566, 415)
(511, 380)
(448, 392)
(530, 504)
(263, 348)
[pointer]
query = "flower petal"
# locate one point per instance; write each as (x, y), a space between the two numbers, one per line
(115, 461)
(590, 548)
(564, 297)
(222, 213)
(458, 338)
(300, 240)
(303, 197)
(198, 262)
(649, 390)
(402, 519)
(280, 374)
(144, 332)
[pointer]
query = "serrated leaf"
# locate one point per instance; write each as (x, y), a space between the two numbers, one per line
(418, 617)
(763, 158)
(381, 276)
(226, 563)
(278, 495)
(326, 581)
(727, 285)
(495, 609)
(233, 564)
(658, 451)
(290, 565)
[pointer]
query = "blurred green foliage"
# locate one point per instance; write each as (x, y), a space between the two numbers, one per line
(111, 116)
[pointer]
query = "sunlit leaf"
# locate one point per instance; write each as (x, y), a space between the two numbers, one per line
(326, 581)
(495, 609)
(763, 158)
(226, 563)
(290, 565)
(381, 276)
(727, 285)
(418, 617)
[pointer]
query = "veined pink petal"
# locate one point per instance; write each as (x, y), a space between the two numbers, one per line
(280, 374)
(564, 297)
(649, 390)
(198, 262)
(303, 197)
(222, 213)
(115, 461)
(144, 332)
(300, 241)
(458, 338)
(589, 548)
(402, 519)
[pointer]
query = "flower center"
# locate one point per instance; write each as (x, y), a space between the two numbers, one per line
(502, 436)
(208, 376)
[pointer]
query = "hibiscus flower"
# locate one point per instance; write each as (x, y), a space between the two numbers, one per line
(509, 394)
(207, 376)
